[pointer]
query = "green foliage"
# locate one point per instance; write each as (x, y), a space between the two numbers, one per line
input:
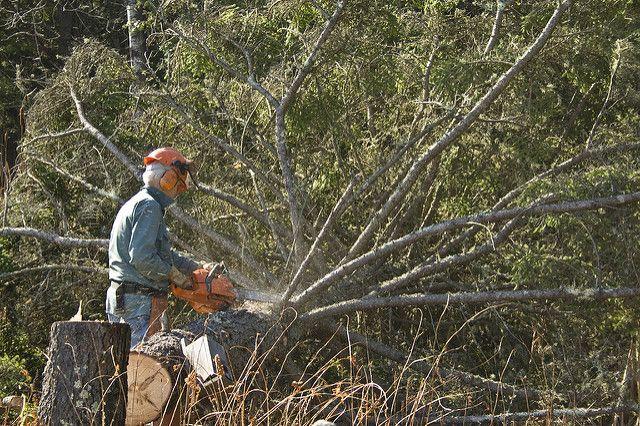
(14, 378)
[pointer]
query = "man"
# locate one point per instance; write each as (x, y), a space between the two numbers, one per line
(141, 261)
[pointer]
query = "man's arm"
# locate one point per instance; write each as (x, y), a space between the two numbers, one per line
(142, 247)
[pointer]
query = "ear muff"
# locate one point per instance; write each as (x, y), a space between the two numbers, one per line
(169, 180)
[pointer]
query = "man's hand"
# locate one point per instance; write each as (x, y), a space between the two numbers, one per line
(215, 267)
(179, 279)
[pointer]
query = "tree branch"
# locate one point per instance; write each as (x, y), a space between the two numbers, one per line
(271, 183)
(556, 413)
(426, 130)
(439, 228)
(308, 64)
(335, 214)
(249, 79)
(54, 238)
(511, 195)
(475, 297)
(89, 186)
(276, 236)
(289, 184)
(54, 135)
(46, 268)
(452, 135)
(105, 141)
(495, 31)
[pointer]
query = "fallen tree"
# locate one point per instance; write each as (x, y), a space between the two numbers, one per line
(396, 234)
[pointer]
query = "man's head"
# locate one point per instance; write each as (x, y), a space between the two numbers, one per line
(168, 170)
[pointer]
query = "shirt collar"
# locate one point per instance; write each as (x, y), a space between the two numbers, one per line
(160, 197)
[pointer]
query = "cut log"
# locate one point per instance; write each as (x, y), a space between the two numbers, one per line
(150, 385)
(158, 367)
(85, 381)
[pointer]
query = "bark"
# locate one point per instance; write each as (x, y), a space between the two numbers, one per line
(137, 38)
(54, 238)
(495, 31)
(85, 381)
(566, 414)
(248, 336)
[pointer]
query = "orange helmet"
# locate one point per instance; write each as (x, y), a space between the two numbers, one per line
(166, 156)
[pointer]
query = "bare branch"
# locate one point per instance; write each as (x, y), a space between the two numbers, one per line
(452, 135)
(566, 414)
(426, 130)
(272, 184)
(250, 79)
(495, 31)
(439, 228)
(289, 184)
(511, 195)
(229, 246)
(431, 265)
(251, 211)
(89, 186)
(283, 251)
(54, 238)
(308, 64)
(105, 141)
(53, 135)
(335, 214)
(475, 297)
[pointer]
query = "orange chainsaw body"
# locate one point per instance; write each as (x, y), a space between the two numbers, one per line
(209, 294)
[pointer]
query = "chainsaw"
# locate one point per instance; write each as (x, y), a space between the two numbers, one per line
(213, 291)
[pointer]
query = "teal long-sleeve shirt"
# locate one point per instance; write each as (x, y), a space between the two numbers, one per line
(139, 246)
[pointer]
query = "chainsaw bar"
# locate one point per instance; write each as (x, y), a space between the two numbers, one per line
(255, 295)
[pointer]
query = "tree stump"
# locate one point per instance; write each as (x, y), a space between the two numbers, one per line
(85, 381)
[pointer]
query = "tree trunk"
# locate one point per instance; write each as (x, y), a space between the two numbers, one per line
(85, 379)
(137, 38)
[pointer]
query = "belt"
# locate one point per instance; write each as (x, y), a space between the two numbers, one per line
(130, 287)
